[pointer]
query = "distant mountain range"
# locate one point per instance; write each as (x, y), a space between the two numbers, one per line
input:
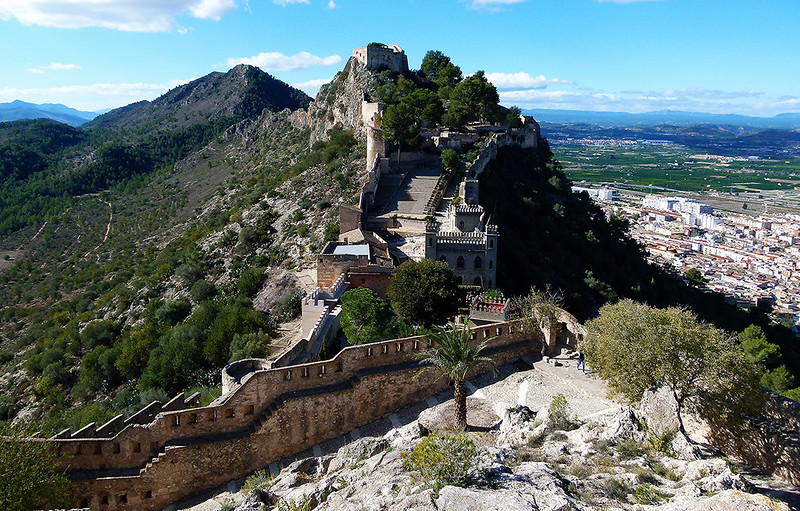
(781, 121)
(17, 110)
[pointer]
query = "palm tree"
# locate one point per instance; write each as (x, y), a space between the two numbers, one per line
(450, 354)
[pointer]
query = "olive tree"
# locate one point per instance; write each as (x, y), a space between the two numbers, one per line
(633, 347)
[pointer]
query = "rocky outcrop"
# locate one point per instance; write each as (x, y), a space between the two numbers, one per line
(339, 102)
(524, 464)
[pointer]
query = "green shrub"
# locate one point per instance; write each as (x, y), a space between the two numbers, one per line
(261, 480)
(663, 471)
(613, 489)
(644, 475)
(661, 443)
(332, 231)
(29, 476)
(305, 504)
(289, 306)
(250, 345)
(174, 311)
(646, 494)
(227, 505)
(202, 290)
(249, 282)
(442, 459)
(628, 449)
(560, 414)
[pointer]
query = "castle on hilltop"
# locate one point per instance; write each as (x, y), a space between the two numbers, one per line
(376, 56)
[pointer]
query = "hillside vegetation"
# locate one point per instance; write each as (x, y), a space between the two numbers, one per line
(133, 248)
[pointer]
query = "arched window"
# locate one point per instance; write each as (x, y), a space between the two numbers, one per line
(477, 281)
(491, 264)
(443, 259)
(478, 262)
(460, 262)
(491, 243)
(461, 224)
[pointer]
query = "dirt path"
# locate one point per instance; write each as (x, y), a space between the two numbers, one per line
(108, 228)
(34, 236)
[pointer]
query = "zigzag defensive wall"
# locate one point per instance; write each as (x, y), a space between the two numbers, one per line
(269, 415)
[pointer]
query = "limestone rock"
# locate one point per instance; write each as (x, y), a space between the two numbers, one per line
(728, 500)
(361, 449)
(470, 499)
(516, 427)
(610, 425)
(684, 449)
(659, 409)
(256, 500)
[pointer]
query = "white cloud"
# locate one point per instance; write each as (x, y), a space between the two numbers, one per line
(127, 15)
(311, 87)
(275, 61)
(212, 9)
(54, 66)
(284, 3)
(331, 4)
(523, 81)
(91, 97)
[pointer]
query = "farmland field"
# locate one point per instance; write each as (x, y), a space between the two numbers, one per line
(675, 167)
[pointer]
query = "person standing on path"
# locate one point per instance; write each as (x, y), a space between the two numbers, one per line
(581, 362)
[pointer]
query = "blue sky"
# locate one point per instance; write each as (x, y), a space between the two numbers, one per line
(719, 56)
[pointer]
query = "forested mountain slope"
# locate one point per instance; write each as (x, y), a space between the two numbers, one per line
(147, 235)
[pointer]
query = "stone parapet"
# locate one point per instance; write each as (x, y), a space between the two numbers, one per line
(274, 413)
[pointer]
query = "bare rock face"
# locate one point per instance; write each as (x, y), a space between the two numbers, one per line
(468, 499)
(517, 427)
(279, 283)
(728, 500)
(659, 409)
(339, 102)
(526, 463)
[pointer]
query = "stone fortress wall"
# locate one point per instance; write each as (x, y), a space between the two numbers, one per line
(267, 415)
(378, 56)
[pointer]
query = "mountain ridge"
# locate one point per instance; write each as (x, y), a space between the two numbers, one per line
(787, 120)
(20, 110)
(243, 91)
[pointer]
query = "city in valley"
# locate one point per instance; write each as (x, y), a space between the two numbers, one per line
(751, 258)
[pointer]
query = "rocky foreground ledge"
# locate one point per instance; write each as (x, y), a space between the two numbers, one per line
(613, 458)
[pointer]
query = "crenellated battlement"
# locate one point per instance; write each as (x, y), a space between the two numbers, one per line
(186, 451)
